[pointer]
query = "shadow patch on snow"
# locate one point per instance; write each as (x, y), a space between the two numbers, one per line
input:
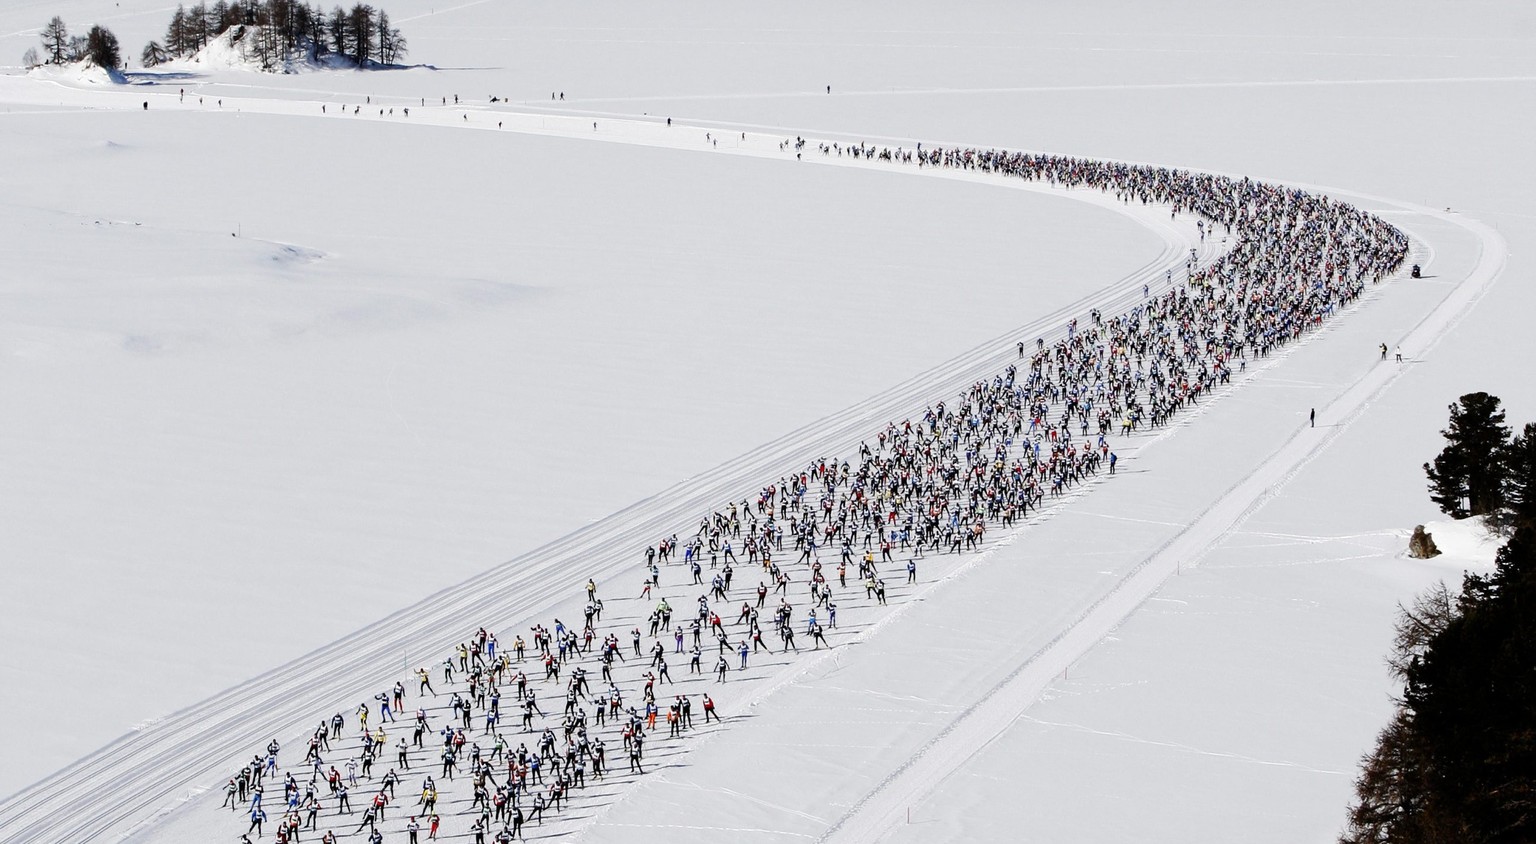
(453, 299)
(155, 344)
(373, 66)
(288, 254)
(146, 343)
(143, 344)
(484, 292)
(156, 77)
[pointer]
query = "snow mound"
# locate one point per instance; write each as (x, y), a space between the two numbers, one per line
(78, 73)
(229, 51)
(1466, 542)
(238, 48)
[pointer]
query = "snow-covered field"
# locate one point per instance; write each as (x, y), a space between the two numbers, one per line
(272, 374)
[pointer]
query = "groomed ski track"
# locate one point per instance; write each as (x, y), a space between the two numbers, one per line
(186, 752)
(979, 724)
(179, 756)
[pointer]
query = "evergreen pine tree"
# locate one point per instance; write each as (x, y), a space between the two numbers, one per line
(1472, 700)
(1520, 478)
(1458, 761)
(1467, 477)
(102, 48)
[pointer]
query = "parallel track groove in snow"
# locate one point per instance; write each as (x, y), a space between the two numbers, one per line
(978, 725)
(132, 781)
(184, 753)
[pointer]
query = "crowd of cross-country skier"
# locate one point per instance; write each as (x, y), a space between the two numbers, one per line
(503, 735)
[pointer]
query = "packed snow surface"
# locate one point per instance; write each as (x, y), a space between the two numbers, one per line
(273, 373)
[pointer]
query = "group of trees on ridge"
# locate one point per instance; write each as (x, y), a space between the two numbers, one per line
(270, 31)
(98, 45)
(1457, 761)
(281, 28)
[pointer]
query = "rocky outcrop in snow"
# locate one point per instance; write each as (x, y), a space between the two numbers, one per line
(1422, 545)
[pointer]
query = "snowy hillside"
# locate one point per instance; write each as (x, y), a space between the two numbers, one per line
(295, 365)
(235, 50)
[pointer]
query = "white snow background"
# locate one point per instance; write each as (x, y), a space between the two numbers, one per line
(434, 345)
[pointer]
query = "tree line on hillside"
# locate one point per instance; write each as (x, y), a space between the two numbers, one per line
(1457, 761)
(269, 31)
(363, 35)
